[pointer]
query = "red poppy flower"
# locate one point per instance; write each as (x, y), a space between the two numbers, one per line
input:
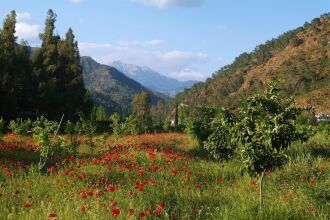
(312, 181)
(90, 193)
(115, 212)
(162, 204)
(198, 185)
(140, 174)
(158, 210)
(52, 215)
(131, 211)
(27, 205)
(113, 204)
(112, 188)
(148, 212)
(83, 195)
(141, 214)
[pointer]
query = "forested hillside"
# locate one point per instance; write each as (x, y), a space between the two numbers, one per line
(300, 58)
(112, 89)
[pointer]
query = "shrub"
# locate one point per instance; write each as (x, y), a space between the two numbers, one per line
(44, 132)
(20, 126)
(129, 126)
(198, 124)
(220, 144)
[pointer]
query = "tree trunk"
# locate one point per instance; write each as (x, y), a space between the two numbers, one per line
(260, 195)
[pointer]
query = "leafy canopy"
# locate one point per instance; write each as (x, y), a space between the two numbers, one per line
(266, 129)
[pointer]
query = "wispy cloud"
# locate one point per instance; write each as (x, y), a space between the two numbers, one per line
(182, 65)
(137, 43)
(24, 29)
(171, 3)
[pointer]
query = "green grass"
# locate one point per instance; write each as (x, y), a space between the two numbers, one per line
(301, 190)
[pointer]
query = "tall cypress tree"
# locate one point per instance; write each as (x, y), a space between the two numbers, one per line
(47, 71)
(8, 106)
(72, 77)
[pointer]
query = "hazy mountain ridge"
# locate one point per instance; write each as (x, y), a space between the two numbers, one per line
(152, 79)
(111, 88)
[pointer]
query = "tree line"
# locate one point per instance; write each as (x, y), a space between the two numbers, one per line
(40, 81)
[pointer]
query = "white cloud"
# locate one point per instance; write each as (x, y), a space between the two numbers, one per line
(24, 16)
(181, 65)
(187, 74)
(76, 1)
(136, 43)
(171, 3)
(27, 31)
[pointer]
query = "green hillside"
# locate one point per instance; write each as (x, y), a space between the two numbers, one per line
(300, 58)
(111, 88)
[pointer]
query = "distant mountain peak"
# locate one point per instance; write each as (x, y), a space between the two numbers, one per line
(152, 79)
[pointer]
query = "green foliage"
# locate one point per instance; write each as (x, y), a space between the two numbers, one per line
(266, 129)
(44, 134)
(198, 124)
(129, 126)
(89, 128)
(101, 114)
(221, 142)
(20, 126)
(141, 112)
(16, 79)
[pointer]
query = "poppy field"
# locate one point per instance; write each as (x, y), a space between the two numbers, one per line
(157, 176)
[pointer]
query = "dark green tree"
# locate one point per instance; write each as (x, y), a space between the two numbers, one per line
(46, 71)
(7, 64)
(70, 79)
(141, 111)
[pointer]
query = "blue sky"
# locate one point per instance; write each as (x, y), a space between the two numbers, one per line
(184, 39)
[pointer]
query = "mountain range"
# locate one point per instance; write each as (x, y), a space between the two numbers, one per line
(111, 88)
(152, 79)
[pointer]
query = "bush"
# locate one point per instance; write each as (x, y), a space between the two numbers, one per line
(295, 42)
(129, 126)
(198, 124)
(220, 144)
(43, 129)
(20, 126)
